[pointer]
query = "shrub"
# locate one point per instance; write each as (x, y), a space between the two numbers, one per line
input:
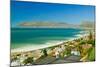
(91, 42)
(44, 52)
(91, 55)
(82, 42)
(28, 60)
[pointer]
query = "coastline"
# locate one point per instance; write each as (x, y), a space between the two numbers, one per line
(33, 48)
(49, 43)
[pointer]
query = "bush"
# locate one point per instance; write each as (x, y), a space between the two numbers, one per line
(82, 42)
(44, 52)
(67, 53)
(91, 42)
(28, 60)
(91, 55)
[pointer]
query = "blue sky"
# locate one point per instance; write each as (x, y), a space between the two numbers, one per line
(46, 12)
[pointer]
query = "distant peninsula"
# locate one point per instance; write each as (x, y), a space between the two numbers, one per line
(84, 25)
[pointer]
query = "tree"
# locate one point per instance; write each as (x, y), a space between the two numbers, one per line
(90, 35)
(28, 60)
(45, 52)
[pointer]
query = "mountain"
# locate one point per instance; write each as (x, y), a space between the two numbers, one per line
(87, 25)
(45, 25)
(82, 25)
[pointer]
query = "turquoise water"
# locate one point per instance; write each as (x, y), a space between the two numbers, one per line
(38, 36)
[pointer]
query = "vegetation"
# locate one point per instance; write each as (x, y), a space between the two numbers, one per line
(91, 42)
(82, 42)
(91, 55)
(28, 60)
(44, 52)
(67, 53)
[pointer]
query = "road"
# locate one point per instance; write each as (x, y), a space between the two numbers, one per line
(53, 60)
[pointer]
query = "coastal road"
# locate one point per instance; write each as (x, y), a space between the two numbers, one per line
(71, 59)
(53, 60)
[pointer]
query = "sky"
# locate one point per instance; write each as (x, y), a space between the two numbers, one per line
(47, 12)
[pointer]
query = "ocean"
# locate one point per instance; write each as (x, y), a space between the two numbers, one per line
(35, 38)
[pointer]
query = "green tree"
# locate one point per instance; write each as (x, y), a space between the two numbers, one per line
(90, 35)
(44, 52)
(28, 60)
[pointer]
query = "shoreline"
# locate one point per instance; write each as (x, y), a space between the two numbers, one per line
(32, 48)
